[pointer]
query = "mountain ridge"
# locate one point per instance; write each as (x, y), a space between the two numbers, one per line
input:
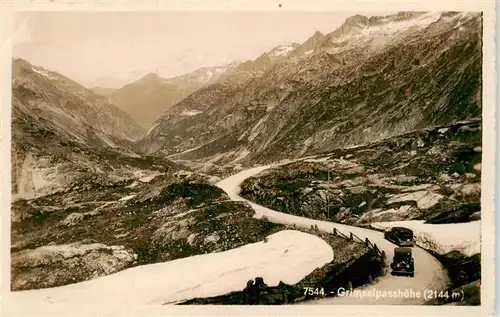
(289, 101)
(148, 97)
(62, 132)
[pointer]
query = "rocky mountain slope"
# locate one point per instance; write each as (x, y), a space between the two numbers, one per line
(147, 98)
(96, 228)
(85, 205)
(58, 126)
(432, 175)
(72, 108)
(370, 79)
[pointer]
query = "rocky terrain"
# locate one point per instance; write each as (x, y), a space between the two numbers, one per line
(86, 205)
(370, 79)
(58, 127)
(433, 174)
(465, 274)
(96, 229)
(43, 96)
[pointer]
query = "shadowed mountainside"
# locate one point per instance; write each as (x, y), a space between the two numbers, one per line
(372, 78)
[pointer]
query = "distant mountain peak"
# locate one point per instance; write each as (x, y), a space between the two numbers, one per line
(356, 20)
(351, 24)
(151, 77)
(313, 42)
(282, 50)
(149, 97)
(407, 15)
(318, 34)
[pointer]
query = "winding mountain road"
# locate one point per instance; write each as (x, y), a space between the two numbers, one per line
(429, 276)
(169, 282)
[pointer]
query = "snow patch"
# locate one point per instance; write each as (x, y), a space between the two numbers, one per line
(146, 176)
(134, 184)
(269, 108)
(241, 155)
(424, 199)
(317, 160)
(380, 35)
(282, 50)
(152, 128)
(242, 136)
(287, 256)
(127, 198)
(106, 140)
(43, 73)
(442, 238)
(182, 214)
(255, 130)
(191, 112)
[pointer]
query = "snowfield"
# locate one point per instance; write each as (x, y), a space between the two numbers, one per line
(287, 256)
(442, 238)
(283, 50)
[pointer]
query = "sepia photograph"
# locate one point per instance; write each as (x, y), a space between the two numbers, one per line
(301, 158)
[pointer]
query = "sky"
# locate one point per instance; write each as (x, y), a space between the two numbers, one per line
(110, 49)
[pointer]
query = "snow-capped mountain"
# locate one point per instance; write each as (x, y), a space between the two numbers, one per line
(283, 50)
(147, 98)
(369, 79)
(202, 76)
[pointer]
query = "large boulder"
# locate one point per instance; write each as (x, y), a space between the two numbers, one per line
(56, 265)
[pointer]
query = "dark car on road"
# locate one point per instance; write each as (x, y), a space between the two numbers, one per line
(400, 236)
(403, 262)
